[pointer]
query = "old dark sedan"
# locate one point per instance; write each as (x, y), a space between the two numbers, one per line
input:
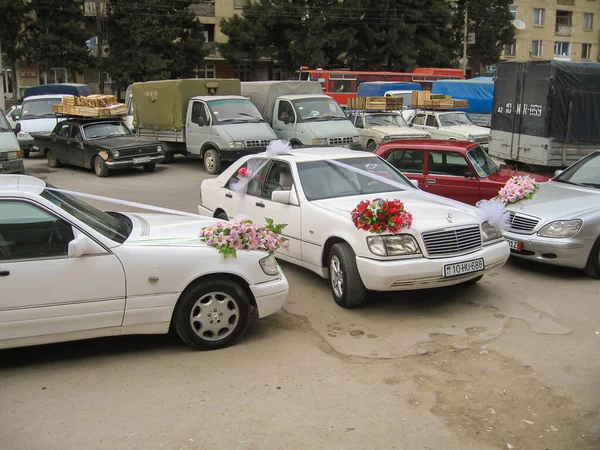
(101, 144)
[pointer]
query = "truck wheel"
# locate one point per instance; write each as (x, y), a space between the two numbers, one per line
(347, 288)
(100, 167)
(371, 146)
(52, 160)
(212, 162)
(149, 167)
(26, 153)
(169, 158)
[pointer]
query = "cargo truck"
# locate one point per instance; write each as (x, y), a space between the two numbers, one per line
(545, 113)
(300, 113)
(206, 118)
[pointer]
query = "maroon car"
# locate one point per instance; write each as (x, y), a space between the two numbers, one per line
(462, 171)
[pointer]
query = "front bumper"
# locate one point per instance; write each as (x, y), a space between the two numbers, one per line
(353, 146)
(124, 163)
(12, 166)
(270, 296)
(233, 154)
(26, 143)
(423, 273)
(569, 252)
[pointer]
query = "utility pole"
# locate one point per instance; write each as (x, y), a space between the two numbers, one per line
(99, 41)
(465, 39)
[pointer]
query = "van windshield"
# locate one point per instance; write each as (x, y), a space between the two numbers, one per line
(234, 111)
(41, 107)
(318, 109)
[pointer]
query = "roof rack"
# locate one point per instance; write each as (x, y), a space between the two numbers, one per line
(93, 106)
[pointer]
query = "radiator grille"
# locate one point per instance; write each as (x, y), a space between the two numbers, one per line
(339, 140)
(450, 242)
(257, 143)
(522, 223)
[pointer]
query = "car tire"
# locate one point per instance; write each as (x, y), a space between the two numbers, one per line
(212, 162)
(100, 167)
(222, 216)
(26, 153)
(149, 167)
(592, 268)
(473, 280)
(346, 285)
(169, 158)
(371, 146)
(52, 159)
(193, 317)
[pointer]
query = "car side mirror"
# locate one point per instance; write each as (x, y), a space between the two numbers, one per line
(285, 197)
(558, 172)
(201, 121)
(83, 245)
(415, 183)
(17, 128)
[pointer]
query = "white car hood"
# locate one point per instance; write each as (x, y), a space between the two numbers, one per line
(332, 128)
(399, 131)
(248, 131)
(430, 212)
(167, 229)
(473, 130)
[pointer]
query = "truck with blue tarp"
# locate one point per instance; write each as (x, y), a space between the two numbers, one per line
(479, 92)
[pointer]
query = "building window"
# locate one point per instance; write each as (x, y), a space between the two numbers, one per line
(205, 71)
(564, 22)
(562, 50)
(536, 49)
(209, 32)
(514, 11)
(538, 16)
(107, 78)
(588, 21)
(586, 51)
(510, 49)
(54, 75)
(238, 4)
(243, 72)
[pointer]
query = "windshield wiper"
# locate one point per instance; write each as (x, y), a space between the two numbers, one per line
(233, 120)
(250, 115)
(596, 185)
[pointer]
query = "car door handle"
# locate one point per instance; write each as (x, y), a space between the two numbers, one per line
(228, 195)
(4, 273)
(260, 204)
(278, 129)
(430, 180)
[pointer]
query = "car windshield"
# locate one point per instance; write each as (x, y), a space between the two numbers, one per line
(41, 107)
(585, 172)
(4, 125)
(484, 165)
(105, 129)
(318, 109)
(114, 226)
(457, 118)
(322, 179)
(235, 111)
(385, 120)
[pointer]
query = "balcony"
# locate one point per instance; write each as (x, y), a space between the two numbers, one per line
(203, 8)
(562, 30)
(565, 2)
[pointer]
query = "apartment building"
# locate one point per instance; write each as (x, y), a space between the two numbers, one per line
(566, 30)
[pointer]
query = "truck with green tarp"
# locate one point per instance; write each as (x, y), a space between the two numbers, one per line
(207, 118)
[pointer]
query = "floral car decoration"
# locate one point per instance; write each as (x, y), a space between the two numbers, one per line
(381, 216)
(244, 172)
(517, 188)
(229, 237)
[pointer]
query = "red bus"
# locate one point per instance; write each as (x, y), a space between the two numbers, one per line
(343, 84)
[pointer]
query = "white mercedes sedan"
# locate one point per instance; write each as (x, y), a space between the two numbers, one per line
(70, 271)
(314, 190)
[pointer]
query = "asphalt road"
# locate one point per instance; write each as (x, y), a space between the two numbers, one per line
(511, 362)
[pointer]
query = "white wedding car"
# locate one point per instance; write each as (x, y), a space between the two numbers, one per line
(70, 271)
(314, 190)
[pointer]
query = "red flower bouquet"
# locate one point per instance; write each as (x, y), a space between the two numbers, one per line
(381, 216)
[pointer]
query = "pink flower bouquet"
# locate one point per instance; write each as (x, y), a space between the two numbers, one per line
(229, 237)
(517, 188)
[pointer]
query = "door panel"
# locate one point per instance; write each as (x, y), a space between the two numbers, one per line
(446, 175)
(196, 135)
(59, 143)
(410, 162)
(285, 131)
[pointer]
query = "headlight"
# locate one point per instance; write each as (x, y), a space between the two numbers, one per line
(269, 266)
(470, 138)
(24, 135)
(394, 245)
(237, 144)
(13, 155)
(490, 232)
(387, 138)
(561, 228)
(116, 153)
(321, 141)
(159, 148)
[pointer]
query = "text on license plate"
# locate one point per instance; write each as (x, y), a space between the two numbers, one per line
(514, 245)
(452, 270)
(143, 159)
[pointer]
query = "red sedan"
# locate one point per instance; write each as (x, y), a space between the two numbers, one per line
(462, 171)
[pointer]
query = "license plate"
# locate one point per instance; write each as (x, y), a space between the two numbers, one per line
(143, 159)
(514, 245)
(453, 270)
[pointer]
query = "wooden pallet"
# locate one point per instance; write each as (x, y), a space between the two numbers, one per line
(375, 103)
(118, 109)
(425, 99)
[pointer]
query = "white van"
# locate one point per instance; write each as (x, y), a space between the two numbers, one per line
(36, 117)
(11, 157)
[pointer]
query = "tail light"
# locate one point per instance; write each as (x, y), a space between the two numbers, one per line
(20, 154)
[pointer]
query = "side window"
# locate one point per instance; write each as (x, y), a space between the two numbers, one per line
(286, 111)
(419, 119)
(431, 121)
(440, 163)
(410, 161)
(64, 130)
(360, 123)
(75, 133)
(258, 169)
(198, 111)
(279, 178)
(28, 232)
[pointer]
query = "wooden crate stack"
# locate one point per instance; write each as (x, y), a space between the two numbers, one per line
(375, 103)
(96, 105)
(425, 99)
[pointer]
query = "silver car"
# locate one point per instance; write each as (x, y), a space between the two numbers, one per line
(560, 225)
